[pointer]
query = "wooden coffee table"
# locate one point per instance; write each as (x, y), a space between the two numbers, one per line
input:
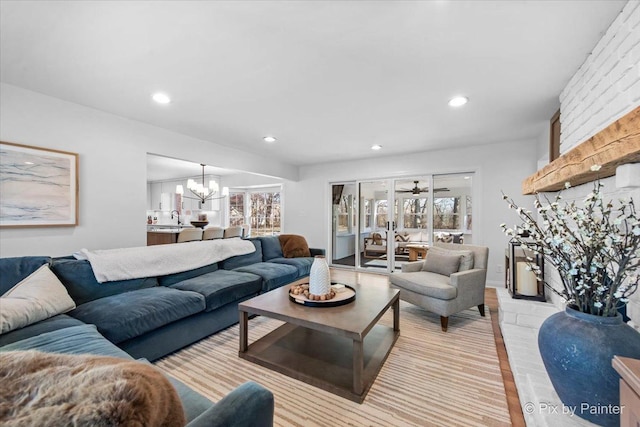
(417, 251)
(338, 349)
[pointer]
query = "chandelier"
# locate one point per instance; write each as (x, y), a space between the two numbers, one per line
(202, 193)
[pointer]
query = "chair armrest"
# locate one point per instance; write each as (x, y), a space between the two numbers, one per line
(249, 405)
(317, 251)
(475, 278)
(412, 267)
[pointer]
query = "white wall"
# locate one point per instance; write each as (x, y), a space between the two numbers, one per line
(498, 167)
(605, 88)
(607, 85)
(112, 157)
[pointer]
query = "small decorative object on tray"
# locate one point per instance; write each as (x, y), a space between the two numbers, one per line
(304, 290)
(338, 295)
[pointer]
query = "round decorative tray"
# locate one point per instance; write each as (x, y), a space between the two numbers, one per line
(199, 224)
(345, 297)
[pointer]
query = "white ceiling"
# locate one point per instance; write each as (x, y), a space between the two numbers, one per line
(327, 78)
(160, 168)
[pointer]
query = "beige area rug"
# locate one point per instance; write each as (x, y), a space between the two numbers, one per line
(431, 378)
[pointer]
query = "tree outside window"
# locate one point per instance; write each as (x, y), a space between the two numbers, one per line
(265, 213)
(415, 213)
(469, 210)
(236, 209)
(446, 213)
(367, 214)
(381, 213)
(343, 215)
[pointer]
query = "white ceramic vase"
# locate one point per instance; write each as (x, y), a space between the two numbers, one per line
(319, 278)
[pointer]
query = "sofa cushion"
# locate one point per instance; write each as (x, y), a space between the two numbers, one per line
(222, 287)
(131, 314)
(441, 263)
(79, 339)
(426, 283)
(415, 236)
(273, 275)
(37, 297)
(13, 270)
(466, 261)
(193, 403)
(271, 247)
(294, 246)
(303, 264)
(242, 260)
(78, 278)
(172, 279)
(60, 321)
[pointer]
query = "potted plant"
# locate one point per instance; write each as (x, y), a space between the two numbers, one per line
(596, 250)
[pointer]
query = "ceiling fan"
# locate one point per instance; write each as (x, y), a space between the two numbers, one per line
(417, 190)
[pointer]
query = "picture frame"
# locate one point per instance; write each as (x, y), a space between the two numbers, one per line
(38, 186)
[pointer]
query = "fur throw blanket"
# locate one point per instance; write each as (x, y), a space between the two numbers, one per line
(46, 389)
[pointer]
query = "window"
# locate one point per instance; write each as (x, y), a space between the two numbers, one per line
(381, 214)
(415, 212)
(265, 213)
(469, 210)
(236, 209)
(367, 213)
(343, 215)
(446, 213)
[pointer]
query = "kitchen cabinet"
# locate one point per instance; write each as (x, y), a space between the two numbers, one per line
(162, 196)
(156, 193)
(162, 237)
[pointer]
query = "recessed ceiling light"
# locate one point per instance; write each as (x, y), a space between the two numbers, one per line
(376, 147)
(28, 163)
(269, 139)
(467, 177)
(161, 98)
(458, 101)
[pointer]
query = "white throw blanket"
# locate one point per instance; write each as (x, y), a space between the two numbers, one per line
(148, 261)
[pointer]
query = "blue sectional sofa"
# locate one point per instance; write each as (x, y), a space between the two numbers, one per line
(154, 316)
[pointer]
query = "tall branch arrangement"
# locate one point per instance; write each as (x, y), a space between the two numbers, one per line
(596, 247)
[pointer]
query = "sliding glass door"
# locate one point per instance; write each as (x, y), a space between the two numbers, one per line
(378, 225)
(343, 224)
(378, 217)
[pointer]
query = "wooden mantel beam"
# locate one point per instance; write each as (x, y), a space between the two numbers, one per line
(617, 144)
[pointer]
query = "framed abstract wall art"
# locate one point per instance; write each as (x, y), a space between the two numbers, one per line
(38, 187)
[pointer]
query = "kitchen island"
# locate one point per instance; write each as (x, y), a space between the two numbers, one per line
(161, 234)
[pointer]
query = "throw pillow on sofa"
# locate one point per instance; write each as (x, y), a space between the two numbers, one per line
(294, 246)
(441, 263)
(466, 261)
(37, 297)
(402, 237)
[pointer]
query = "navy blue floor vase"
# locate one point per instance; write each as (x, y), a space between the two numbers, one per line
(577, 350)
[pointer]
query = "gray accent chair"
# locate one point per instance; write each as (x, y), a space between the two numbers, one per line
(440, 294)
